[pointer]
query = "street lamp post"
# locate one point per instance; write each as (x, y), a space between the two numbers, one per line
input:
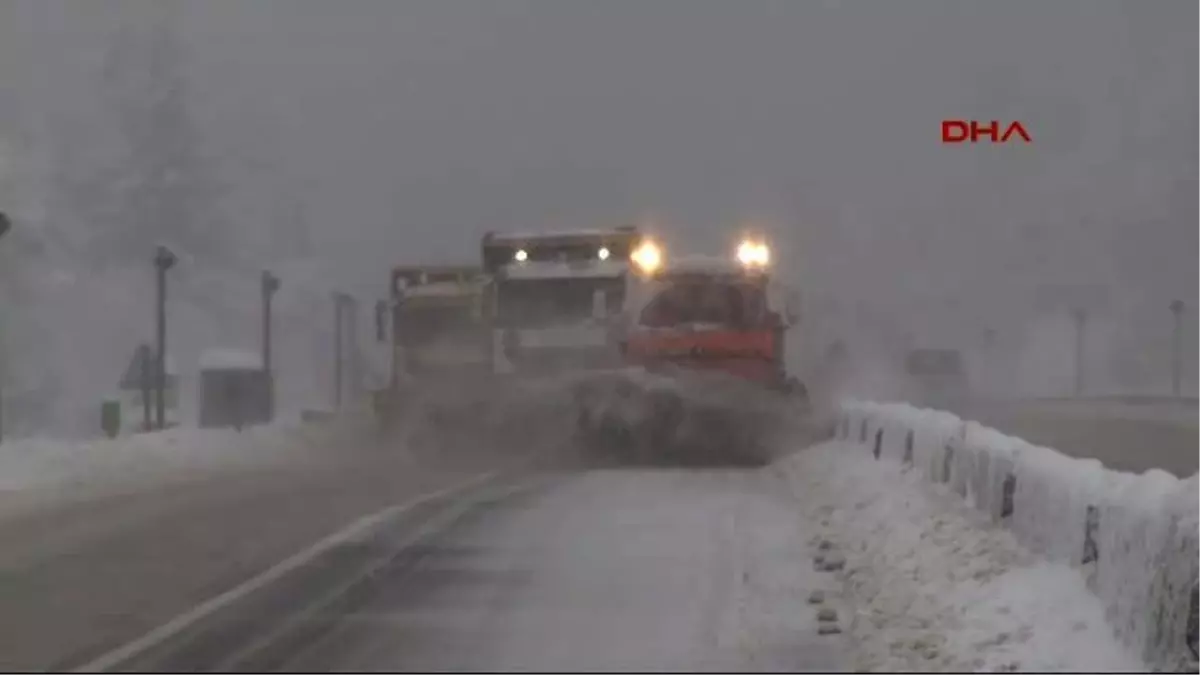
(1177, 308)
(164, 260)
(5, 226)
(1080, 317)
(270, 285)
(340, 301)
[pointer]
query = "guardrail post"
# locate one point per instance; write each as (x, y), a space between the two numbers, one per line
(1008, 490)
(1193, 623)
(1091, 528)
(878, 443)
(947, 461)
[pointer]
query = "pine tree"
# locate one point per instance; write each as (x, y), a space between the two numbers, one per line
(161, 187)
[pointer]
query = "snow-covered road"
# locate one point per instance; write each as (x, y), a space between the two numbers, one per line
(558, 563)
(607, 571)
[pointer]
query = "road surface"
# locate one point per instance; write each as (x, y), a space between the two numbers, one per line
(595, 570)
(551, 563)
(85, 575)
(609, 571)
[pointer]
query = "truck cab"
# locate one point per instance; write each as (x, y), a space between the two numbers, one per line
(438, 325)
(552, 298)
(710, 315)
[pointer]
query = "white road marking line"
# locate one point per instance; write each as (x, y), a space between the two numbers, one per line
(357, 529)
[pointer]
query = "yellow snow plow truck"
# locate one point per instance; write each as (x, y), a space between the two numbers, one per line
(439, 338)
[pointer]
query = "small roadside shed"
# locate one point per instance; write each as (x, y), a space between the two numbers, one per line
(235, 391)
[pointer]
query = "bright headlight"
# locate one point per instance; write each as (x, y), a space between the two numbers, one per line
(647, 257)
(521, 255)
(603, 253)
(753, 254)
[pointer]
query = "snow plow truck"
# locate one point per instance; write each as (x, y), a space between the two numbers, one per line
(553, 299)
(439, 340)
(703, 345)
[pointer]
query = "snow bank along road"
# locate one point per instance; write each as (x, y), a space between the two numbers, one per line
(1124, 436)
(1131, 538)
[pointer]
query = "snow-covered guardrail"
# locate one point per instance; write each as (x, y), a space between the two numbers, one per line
(1133, 537)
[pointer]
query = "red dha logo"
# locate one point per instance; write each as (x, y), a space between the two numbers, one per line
(957, 131)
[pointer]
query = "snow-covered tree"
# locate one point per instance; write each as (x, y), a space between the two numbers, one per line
(154, 182)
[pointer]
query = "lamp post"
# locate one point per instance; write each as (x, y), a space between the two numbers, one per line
(270, 285)
(1177, 308)
(1080, 317)
(5, 226)
(341, 301)
(164, 260)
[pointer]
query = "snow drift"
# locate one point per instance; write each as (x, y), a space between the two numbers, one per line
(1133, 537)
(928, 589)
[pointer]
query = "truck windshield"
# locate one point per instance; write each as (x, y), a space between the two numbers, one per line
(542, 302)
(706, 301)
(422, 325)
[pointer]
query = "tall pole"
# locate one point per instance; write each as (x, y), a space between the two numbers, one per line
(354, 375)
(338, 300)
(1177, 308)
(163, 261)
(145, 362)
(5, 226)
(1080, 317)
(270, 284)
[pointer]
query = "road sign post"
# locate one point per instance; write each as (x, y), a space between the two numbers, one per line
(164, 260)
(1177, 307)
(1080, 317)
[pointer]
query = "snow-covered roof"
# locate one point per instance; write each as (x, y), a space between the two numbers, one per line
(441, 290)
(527, 237)
(591, 269)
(230, 359)
(698, 264)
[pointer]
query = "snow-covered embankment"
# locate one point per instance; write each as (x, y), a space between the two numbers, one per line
(1131, 540)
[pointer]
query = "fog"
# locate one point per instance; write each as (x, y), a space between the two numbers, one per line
(330, 141)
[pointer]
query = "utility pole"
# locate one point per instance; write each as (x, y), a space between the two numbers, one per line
(355, 371)
(1080, 317)
(5, 226)
(164, 260)
(270, 285)
(1177, 308)
(341, 302)
(147, 384)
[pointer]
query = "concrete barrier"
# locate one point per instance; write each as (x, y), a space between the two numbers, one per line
(1133, 537)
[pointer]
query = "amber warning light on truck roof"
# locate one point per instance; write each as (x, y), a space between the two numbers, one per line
(647, 257)
(754, 254)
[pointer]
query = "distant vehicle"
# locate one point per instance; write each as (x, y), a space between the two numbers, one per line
(553, 298)
(938, 377)
(714, 315)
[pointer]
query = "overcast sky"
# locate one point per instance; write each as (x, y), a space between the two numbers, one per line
(402, 131)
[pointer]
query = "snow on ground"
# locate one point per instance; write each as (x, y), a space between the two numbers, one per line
(58, 469)
(936, 586)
